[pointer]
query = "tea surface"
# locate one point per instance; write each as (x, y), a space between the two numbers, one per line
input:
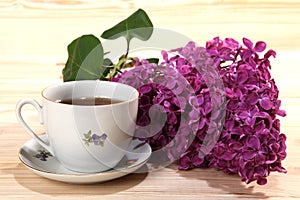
(98, 101)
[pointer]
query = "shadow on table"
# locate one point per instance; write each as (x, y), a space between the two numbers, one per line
(230, 184)
(56, 188)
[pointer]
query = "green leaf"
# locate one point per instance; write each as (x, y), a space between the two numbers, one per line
(153, 60)
(48, 154)
(85, 59)
(88, 134)
(136, 25)
(101, 143)
(107, 62)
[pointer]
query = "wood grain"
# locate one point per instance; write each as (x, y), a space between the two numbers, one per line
(34, 36)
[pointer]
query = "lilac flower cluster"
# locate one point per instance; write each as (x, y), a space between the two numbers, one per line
(164, 106)
(243, 137)
(250, 143)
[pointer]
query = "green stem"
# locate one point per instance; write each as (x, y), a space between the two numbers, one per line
(127, 49)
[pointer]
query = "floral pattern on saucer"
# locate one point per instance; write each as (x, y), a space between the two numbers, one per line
(43, 155)
(136, 156)
(131, 161)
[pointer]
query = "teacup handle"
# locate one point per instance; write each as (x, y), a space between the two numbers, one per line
(26, 127)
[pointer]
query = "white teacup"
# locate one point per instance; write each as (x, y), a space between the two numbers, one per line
(86, 138)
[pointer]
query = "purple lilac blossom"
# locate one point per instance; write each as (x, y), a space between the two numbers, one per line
(250, 143)
(165, 106)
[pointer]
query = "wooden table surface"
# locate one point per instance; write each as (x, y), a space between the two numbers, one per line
(33, 39)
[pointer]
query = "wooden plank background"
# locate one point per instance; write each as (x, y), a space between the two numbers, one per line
(33, 39)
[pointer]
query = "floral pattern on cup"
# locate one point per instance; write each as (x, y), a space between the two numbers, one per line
(95, 139)
(43, 155)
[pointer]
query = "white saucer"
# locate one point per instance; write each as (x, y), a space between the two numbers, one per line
(137, 155)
